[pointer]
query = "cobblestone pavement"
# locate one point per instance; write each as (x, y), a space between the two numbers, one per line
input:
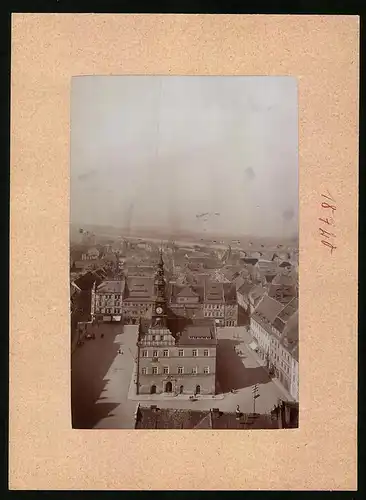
(101, 379)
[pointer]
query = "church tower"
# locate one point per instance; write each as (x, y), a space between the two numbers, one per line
(159, 315)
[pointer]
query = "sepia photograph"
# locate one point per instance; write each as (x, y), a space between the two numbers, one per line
(184, 252)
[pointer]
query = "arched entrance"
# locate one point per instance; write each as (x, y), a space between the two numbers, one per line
(198, 389)
(168, 387)
(153, 389)
(181, 389)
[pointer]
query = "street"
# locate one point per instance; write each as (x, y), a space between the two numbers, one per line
(101, 378)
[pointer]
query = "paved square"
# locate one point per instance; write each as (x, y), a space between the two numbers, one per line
(101, 378)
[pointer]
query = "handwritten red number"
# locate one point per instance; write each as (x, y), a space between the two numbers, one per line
(328, 244)
(328, 197)
(325, 233)
(326, 205)
(328, 221)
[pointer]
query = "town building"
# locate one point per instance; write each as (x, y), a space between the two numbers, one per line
(138, 299)
(186, 300)
(91, 254)
(174, 355)
(214, 302)
(153, 417)
(261, 322)
(231, 305)
(107, 300)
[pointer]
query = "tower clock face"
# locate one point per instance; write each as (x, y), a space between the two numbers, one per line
(159, 310)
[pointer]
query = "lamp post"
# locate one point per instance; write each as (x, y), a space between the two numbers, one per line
(255, 395)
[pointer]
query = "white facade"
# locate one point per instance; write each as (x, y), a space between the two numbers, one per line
(262, 337)
(294, 388)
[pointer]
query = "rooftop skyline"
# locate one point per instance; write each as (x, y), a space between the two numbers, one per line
(162, 151)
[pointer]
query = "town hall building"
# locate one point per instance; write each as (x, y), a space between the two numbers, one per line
(175, 355)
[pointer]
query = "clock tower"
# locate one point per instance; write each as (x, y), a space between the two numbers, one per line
(159, 314)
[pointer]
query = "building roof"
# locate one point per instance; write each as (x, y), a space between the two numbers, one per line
(214, 292)
(166, 418)
(250, 260)
(229, 293)
(115, 286)
(245, 421)
(245, 289)
(289, 310)
(282, 293)
(139, 287)
(257, 292)
(285, 264)
(187, 291)
(283, 279)
(199, 332)
(267, 310)
(192, 291)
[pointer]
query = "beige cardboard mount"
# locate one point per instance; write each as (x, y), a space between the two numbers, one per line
(47, 50)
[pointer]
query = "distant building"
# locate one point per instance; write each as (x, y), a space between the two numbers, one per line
(91, 254)
(153, 417)
(107, 302)
(174, 356)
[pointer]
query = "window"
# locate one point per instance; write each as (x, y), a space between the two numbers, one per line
(194, 352)
(155, 354)
(206, 370)
(117, 310)
(165, 353)
(181, 352)
(205, 352)
(166, 370)
(144, 371)
(194, 370)
(153, 337)
(180, 370)
(144, 354)
(155, 370)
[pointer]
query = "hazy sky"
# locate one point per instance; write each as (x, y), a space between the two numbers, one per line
(157, 151)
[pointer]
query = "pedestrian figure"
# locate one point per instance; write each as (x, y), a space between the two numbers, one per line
(102, 335)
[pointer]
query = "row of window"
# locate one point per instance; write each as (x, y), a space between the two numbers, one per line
(213, 314)
(156, 354)
(137, 305)
(108, 310)
(213, 306)
(110, 296)
(180, 370)
(101, 303)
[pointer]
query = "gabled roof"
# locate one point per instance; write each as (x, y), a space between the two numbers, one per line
(187, 291)
(196, 332)
(214, 292)
(282, 293)
(139, 287)
(267, 309)
(245, 289)
(111, 287)
(257, 292)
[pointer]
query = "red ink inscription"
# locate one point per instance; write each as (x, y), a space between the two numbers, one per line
(328, 208)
